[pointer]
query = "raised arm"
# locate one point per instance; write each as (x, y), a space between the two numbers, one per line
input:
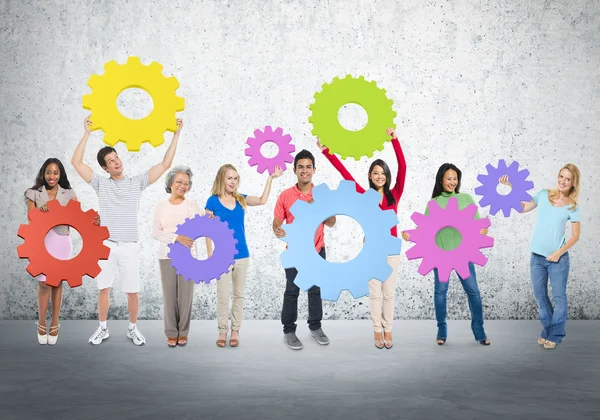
(159, 169)
(259, 201)
(84, 171)
(280, 233)
(401, 174)
(527, 206)
(337, 164)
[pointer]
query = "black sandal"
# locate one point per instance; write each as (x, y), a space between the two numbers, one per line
(443, 341)
(485, 342)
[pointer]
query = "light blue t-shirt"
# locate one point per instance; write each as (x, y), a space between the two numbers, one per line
(549, 231)
(235, 220)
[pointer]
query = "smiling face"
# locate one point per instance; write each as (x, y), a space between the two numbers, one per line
(181, 185)
(450, 180)
(231, 181)
(378, 177)
(304, 171)
(113, 164)
(52, 175)
(565, 181)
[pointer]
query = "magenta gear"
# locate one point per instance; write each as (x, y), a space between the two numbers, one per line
(513, 199)
(284, 152)
(219, 262)
(459, 258)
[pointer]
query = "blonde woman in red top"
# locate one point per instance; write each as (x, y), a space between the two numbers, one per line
(381, 294)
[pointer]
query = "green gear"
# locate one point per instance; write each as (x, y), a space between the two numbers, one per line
(358, 91)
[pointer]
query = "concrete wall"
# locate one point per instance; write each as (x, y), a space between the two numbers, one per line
(472, 82)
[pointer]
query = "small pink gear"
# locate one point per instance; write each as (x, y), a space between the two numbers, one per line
(284, 152)
(459, 258)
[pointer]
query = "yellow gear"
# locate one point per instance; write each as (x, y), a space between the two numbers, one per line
(106, 116)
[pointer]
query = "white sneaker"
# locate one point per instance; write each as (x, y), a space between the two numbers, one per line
(136, 336)
(100, 335)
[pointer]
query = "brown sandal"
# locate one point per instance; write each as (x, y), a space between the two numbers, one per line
(182, 341)
(234, 342)
(171, 342)
(388, 343)
(222, 341)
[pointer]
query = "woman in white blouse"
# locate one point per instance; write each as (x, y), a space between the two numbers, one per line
(178, 293)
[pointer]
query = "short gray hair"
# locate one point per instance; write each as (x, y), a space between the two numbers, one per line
(173, 172)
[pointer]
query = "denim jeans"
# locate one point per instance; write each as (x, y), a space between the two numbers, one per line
(473, 297)
(289, 312)
(554, 321)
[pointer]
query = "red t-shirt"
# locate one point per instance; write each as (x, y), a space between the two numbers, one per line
(282, 211)
(398, 187)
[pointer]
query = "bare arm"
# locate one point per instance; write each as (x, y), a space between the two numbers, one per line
(527, 206)
(84, 171)
(259, 201)
(209, 244)
(280, 233)
(30, 206)
(159, 169)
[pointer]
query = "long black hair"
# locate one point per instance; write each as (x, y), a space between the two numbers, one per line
(439, 179)
(388, 175)
(40, 179)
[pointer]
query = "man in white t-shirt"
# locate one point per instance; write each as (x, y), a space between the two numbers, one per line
(119, 197)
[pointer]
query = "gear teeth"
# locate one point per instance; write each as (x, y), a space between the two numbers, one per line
(87, 101)
(134, 146)
(155, 141)
(94, 81)
(171, 83)
(111, 66)
(371, 196)
(135, 61)
(321, 190)
(110, 139)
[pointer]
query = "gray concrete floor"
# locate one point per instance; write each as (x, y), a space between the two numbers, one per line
(514, 378)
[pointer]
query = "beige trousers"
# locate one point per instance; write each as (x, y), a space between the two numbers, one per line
(178, 294)
(381, 298)
(237, 278)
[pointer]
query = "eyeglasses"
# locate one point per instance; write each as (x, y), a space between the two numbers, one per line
(186, 184)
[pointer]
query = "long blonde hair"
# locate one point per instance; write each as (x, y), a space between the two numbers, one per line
(553, 194)
(218, 187)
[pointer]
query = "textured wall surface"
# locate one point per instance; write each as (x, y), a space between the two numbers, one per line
(472, 82)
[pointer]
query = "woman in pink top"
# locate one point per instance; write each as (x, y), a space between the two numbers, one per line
(381, 294)
(51, 183)
(178, 292)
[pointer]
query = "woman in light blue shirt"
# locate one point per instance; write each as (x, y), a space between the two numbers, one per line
(549, 256)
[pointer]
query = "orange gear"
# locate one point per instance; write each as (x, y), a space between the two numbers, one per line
(55, 270)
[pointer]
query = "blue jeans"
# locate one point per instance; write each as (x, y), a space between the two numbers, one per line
(473, 296)
(554, 321)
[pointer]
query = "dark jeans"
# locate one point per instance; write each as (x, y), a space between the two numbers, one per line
(473, 297)
(289, 312)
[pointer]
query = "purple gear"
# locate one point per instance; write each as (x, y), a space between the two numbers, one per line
(285, 149)
(447, 260)
(219, 262)
(513, 199)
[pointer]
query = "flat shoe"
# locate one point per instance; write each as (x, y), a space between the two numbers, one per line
(549, 345)
(541, 341)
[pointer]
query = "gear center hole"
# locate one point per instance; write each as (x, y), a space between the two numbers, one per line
(503, 189)
(452, 231)
(347, 237)
(353, 117)
(135, 103)
(201, 250)
(269, 149)
(58, 245)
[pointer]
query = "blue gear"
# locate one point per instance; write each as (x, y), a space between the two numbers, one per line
(353, 275)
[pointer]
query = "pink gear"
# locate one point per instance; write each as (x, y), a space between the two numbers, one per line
(285, 148)
(458, 258)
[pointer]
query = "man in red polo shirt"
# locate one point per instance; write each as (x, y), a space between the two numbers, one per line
(304, 168)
